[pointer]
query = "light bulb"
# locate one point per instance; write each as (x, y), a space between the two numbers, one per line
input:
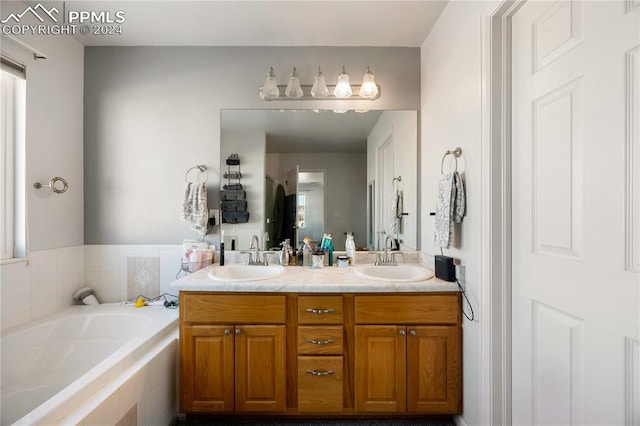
(369, 89)
(270, 89)
(343, 88)
(293, 89)
(319, 89)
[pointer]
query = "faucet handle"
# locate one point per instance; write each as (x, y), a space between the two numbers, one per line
(264, 259)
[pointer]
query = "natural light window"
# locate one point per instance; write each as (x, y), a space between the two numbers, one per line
(12, 132)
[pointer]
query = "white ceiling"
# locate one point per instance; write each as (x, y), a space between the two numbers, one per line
(266, 22)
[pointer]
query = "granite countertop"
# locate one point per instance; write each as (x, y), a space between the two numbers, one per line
(297, 279)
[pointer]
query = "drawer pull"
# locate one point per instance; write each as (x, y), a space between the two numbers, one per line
(321, 311)
(321, 373)
(320, 342)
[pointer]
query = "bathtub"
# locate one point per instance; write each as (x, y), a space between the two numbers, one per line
(67, 367)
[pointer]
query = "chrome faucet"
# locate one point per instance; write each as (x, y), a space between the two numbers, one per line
(255, 260)
(388, 259)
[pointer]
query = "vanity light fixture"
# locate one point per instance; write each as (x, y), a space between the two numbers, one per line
(320, 90)
(270, 89)
(343, 88)
(368, 88)
(293, 89)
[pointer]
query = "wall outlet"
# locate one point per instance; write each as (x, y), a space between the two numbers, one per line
(215, 215)
(460, 275)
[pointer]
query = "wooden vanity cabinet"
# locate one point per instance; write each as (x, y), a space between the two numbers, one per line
(232, 353)
(330, 354)
(408, 354)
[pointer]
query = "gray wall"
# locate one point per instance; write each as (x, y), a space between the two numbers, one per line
(150, 113)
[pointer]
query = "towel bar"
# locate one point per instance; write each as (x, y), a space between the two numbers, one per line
(456, 153)
(52, 185)
(202, 169)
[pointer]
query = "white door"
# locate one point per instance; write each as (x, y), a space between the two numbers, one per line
(385, 178)
(576, 298)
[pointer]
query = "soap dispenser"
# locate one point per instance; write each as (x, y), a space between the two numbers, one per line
(284, 253)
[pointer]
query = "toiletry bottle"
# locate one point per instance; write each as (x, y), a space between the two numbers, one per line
(350, 247)
(330, 252)
(221, 248)
(301, 255)
(284, 253)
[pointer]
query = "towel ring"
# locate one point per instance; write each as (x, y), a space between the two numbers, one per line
(396, 182)
(202, 169)
(456, 153)
(52, 185)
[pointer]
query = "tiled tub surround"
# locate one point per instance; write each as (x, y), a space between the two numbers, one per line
(101, 361)
(40, 285)
(45, 281)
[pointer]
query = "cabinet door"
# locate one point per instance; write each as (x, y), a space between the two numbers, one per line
(380, 361)
(207, 368)
(260, 368)
(433, 369)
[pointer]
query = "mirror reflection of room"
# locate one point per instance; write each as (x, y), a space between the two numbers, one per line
(315, 172)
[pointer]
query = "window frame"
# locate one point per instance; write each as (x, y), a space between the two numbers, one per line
(12, 153)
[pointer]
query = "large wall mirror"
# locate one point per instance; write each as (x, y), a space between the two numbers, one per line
(307, 172)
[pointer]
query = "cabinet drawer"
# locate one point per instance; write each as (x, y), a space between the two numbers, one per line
(232, 309)
(320, 310)
(409, 309)
(320, 340)
(320, 384)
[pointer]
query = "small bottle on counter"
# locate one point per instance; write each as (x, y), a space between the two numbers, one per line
(221, 248)
(350, 247)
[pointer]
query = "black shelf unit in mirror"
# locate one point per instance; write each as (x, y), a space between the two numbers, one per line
(233, 197)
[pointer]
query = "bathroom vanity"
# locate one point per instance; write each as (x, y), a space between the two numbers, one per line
(319, 342)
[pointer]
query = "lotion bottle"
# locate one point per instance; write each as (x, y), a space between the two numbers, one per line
(350, 247)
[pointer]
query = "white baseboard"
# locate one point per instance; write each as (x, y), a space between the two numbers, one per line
(459, 421)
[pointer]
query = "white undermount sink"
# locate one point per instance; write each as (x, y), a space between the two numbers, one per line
(400, 273)
(245, 272)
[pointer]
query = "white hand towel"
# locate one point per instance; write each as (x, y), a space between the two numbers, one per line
(450, 208)
(459, 205)
(443, 223)
(194, 207)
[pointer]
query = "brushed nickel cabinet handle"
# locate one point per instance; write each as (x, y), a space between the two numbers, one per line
(321, 373)
(321, 311)
(401, 332)
(412, 332)
(238, 332)
(227, 332)
(320, 342)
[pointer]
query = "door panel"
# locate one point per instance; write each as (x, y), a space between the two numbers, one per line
(574, 303)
